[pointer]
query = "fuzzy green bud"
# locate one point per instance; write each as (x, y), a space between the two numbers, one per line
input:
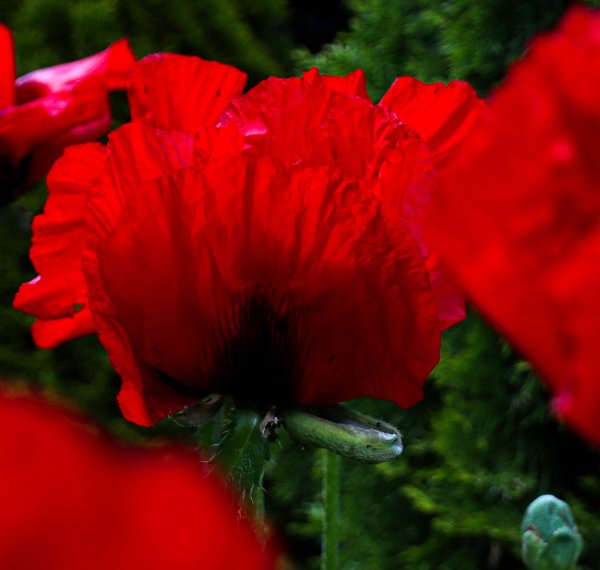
(550, 539)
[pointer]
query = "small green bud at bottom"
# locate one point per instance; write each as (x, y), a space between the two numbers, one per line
(550, 539)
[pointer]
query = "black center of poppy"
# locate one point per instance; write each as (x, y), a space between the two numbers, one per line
(259, 354)
(257, 351)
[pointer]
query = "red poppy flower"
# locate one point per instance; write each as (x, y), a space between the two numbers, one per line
(519, 215)
(71, 499)
(268, 247)
(46, 110)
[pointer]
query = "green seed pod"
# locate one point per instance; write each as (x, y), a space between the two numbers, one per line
(343, 431)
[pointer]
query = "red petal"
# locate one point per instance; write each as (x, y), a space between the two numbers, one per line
(58, 241)
(49, 333)
(519, 214)
(137, 154)
(443, 115)
(56, 107)
(182, 93)
(86, 502)
(305, 121)
(7, 68)
(106, 71)
(39, 125)
(352, 84)
(309, 245)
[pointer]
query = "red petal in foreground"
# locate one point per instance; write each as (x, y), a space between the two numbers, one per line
(519, 215)
(56, 107)
(274, 254)
(72, 499)
(7, 68)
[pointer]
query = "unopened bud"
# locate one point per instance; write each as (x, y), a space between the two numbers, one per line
(550, 537)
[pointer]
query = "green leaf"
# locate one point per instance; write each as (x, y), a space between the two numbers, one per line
(243, 451)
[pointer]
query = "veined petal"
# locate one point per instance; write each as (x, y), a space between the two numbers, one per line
(275, 254)
(290, 269)
(190, 94)
(443, 115)
(307, 120)
(352, 84)
(310, 121)
(137, 154)
(140, 152)
(60, 291)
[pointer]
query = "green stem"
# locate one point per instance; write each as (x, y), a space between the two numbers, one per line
(259, 503)
(331, 502)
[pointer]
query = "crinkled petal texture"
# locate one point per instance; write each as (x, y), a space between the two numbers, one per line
(72, 499)
(56, 107)
(519, 214)
(182, 93)
(58, 296)
(275, 254)
(245, 275)
(444, 116)
(315, 121)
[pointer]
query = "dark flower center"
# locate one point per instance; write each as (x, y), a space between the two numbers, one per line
(259, 355)
(257, 350)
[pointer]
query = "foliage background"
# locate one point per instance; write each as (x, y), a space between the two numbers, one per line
(482, 444)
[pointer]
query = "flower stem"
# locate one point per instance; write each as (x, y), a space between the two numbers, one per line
(259, 504)
(331, 503)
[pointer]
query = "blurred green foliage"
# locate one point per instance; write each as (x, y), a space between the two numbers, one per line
(250, 35)
(435, 40)
(482, 444)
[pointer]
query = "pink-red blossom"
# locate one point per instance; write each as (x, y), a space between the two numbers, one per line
(46, 110)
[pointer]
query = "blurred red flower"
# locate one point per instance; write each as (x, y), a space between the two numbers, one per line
(268, 247)
(46, 110)
(519, 214)
(71, 499)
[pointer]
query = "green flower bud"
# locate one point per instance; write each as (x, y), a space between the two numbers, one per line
(550, 539)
